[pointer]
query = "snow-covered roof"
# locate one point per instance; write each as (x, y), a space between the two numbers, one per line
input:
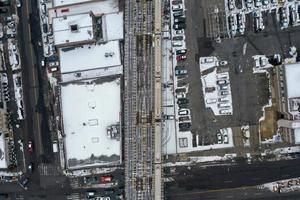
(89, 57)
(98, 8)
(73, 28)
(297, 135)
(292, 74)
(88, 108)
(112, 26)
(67, 2)
(3, 163)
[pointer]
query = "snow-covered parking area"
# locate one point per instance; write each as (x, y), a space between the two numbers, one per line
(89, 108)
(216, 86)
(13, 53)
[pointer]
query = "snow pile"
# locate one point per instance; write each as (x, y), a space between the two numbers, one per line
(212, 158)
(282, 186)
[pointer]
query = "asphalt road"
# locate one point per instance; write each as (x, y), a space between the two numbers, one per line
(205, 179)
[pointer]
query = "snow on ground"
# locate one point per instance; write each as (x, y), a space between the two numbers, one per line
(207, 63)
(212, 158)
(261, 64)
(282, 186)
(62, 29)
(169, 128)
(185, 142)
(17, 80)
(90, 57)
(88, 109)
(67, 2)
(90, 74)
(286, 150)
(220, 104)
(98, 8)
(112, 26)
(3, 163)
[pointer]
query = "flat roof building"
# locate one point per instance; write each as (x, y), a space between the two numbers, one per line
(90, 109)
(73, 29)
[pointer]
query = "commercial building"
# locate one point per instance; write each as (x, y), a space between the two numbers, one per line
(288, 98)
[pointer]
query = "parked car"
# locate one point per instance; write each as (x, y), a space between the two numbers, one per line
(183, 112)
(30, 147)
(224, 112)
(211, 101)
(181, 95)
(219, 138)
(224, 87)
(3, 10)
(179, 37)
(44, 8)
(181, 57)
(177, 43)
(90, 194)
(181, 52)
(224, 93)
(225, 139)
(221, 82)
(179, 26)
(23, 182)
(179, 32)
(169, 117)
(184, 118)
(182, 101)
(179, 20)
(178, 13)
(90, 180)
(176, 2)
(177, 7)
(180, 72)
(185, 126)
(180, 90)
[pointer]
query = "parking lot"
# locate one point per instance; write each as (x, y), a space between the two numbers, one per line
(249, 91)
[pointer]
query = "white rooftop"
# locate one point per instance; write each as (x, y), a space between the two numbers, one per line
(89, 57)
(3, 163)
(67, 2)
(112, 25)
(292, 75)
(98, 8)
(88, 108)
(81, 24)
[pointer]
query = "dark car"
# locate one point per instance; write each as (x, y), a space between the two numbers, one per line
(178, 14)
(3, 10)
(30, 147)
(184, 126)
(179, 20)
(179, 90)
(30, 167)
(180, 72)
(45, 28)
(181, 52)
(23, 182)
(184, 118)
(179, 26)
(182, 101)
(178, 37)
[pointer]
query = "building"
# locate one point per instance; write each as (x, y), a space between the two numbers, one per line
(288, 98)
(74, 30)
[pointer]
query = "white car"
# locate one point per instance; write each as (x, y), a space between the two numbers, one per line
(182, 95)
(177, 8)
(224, 112)
(183, 112)
(211, 101)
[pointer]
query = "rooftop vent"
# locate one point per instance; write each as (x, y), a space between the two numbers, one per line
(74, 28)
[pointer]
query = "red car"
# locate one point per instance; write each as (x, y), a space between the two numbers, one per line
(180, 57)
(106, 179)
(30, 147)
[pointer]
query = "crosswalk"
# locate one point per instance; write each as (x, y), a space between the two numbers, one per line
(49, 170)
(73, 196)
(74, 182)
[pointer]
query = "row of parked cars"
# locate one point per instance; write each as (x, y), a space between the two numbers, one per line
(47, 36)
(184, 114)
(222, 137)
